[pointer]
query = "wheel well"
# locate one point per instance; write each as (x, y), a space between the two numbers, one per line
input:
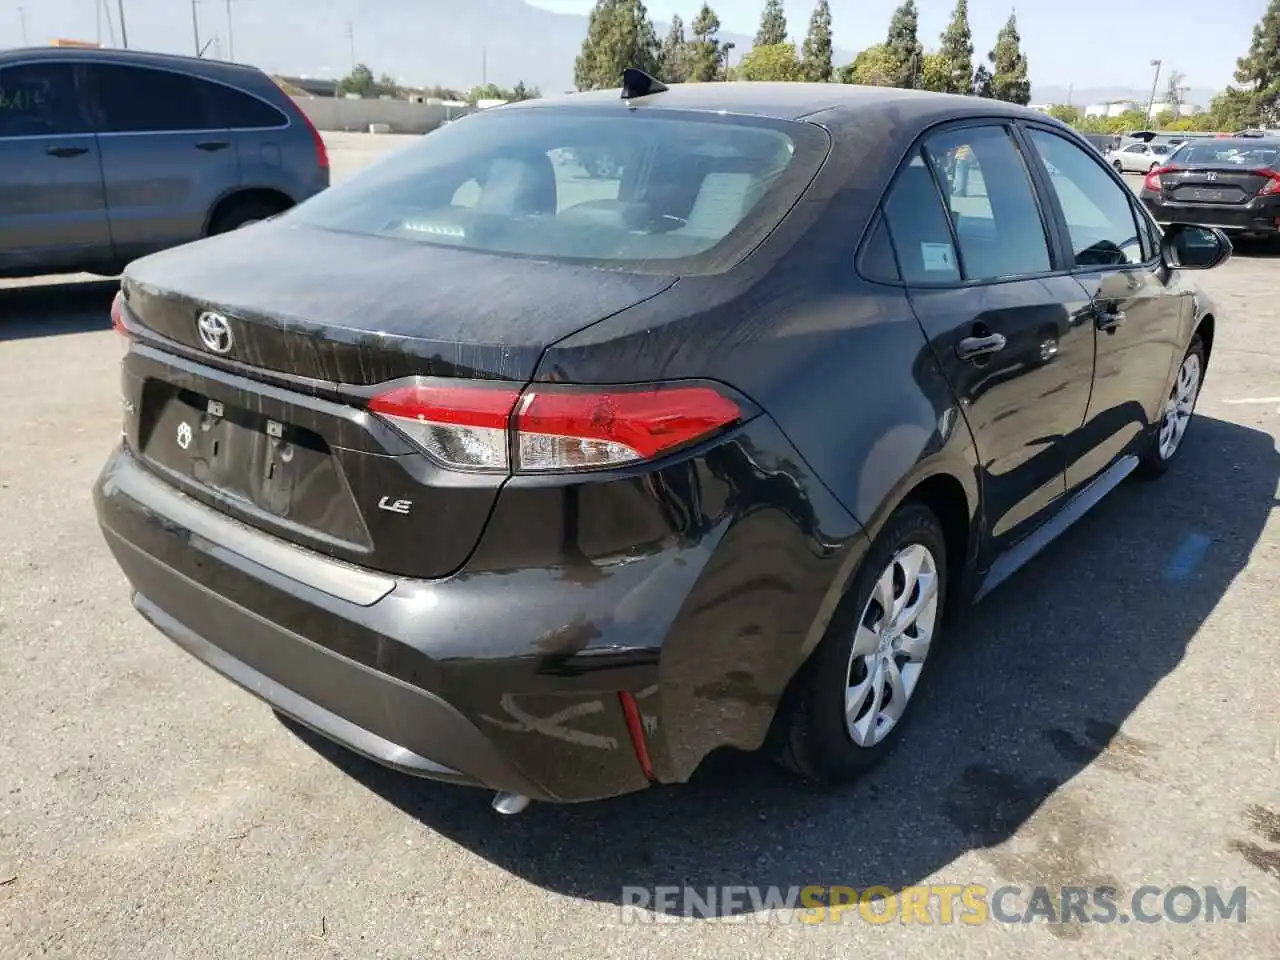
(273, 198)
(945, 496)
(1206, 335)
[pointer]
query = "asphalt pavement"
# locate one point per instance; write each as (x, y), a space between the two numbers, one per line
(1110, 716)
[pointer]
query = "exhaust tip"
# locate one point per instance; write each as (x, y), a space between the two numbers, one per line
(509, 804)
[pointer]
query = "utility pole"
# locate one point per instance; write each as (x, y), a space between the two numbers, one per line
(1070, 89)
(22, 20)
(1154, 83)
(351, 42)
(195, 27)
(231, 42)
(484, 66)
(124, 31)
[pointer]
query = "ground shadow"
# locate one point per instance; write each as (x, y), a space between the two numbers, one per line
(1034, 686)
(1248, 249)
(54, 309)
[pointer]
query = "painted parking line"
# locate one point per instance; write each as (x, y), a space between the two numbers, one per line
(1187, 558)
(1261, 401)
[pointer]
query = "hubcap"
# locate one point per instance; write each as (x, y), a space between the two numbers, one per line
(891, 645)
(1178, 408)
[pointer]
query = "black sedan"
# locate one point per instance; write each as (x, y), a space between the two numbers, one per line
(1229, 183)
(593, 434)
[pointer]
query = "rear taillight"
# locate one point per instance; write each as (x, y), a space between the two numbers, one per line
(550, 428)
(322, 152)
(1272, 186)
(1152, 182)
(117, 315)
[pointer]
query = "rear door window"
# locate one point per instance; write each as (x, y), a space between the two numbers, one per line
(134, 99)
(991, 201)
(41, 100)
(238, 110)
(661, 191)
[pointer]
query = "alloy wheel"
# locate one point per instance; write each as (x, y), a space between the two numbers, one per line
(892, 643)
(1179, 407)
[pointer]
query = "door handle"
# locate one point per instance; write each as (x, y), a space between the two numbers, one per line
(1108, 320)
(64, 152)
(970, 348)
(211, 145)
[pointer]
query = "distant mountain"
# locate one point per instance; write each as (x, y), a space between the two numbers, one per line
(1083, 96)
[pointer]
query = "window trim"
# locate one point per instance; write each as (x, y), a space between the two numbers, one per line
(81, 88)
(1058, 255)
(1026, 127)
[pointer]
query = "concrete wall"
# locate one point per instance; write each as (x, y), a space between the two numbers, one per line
(354, 116)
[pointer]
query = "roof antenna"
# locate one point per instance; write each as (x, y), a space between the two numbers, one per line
(637, 83)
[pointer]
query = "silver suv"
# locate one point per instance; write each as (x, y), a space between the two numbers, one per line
(108, 155)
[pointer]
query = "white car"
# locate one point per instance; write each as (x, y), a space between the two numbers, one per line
(1139, 157)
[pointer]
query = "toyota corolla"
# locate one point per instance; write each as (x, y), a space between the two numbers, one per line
(591, 435)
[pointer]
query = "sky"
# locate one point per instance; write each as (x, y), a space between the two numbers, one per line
(1091, 43)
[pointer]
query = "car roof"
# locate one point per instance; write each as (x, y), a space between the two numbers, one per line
(149, 58)
(794, 101)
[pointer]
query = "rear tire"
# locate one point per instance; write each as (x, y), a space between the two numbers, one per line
(243, 213)
(1165, 437)
(835, 725)
(1118, 165)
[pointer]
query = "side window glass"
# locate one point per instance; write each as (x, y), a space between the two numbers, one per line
(877, 255)
(992, 203)
(40, 100)
(238, 110)
(141, 100)
(918, 227)
(1153, 239)
(1103, 229)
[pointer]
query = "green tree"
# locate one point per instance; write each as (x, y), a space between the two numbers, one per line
(873, 67)
(1067, 114)
(673, 64)
(957, 51)
(777, 61)
(903, 45)
(816, 54)
(1009, 81)
(773, 25)
(1236, 109)
(359, 81)
(982, 82)
(707, 56)
(935, 72)
(1258, 71)
(619, 35)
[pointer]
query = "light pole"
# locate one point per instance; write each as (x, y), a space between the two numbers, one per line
(1154, 83)
(124, 31)
(195, 27)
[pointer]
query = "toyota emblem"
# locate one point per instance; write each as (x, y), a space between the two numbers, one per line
(215, 332)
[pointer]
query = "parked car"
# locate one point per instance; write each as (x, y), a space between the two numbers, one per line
(1138, 157)
(511, 477)
(108, 155)
(1231, 184)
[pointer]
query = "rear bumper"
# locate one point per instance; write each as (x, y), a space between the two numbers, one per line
(1259, 216)
(354, 655)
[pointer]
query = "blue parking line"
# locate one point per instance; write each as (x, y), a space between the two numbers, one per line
(1187, 558)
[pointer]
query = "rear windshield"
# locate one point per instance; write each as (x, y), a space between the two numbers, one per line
(1245, 152)
(644, 189)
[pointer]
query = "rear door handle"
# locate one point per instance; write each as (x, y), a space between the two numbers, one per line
(970, 348)
(64, 152)
(1109, 320)
(211, 145)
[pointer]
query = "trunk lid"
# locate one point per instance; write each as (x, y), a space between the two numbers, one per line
(317, 304)
(273, 430)
(1223, 183)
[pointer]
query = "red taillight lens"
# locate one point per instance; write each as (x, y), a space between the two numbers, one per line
(463, 426)
(322, 152)
(117, 314)
(1152, 182)
(552, 428)
(1272, 186)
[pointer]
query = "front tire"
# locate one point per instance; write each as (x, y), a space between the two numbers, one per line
(1118, 165)
(852, 699)
(1165, 437)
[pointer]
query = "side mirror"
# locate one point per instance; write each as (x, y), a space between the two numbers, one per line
(1189, 247)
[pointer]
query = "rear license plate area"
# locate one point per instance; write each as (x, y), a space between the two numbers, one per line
(1208, 194)
(234, 451)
